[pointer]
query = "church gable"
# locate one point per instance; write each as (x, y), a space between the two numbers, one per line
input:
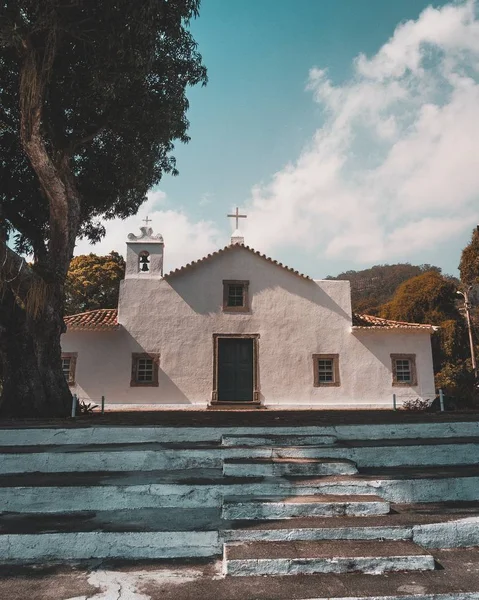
(232, 248)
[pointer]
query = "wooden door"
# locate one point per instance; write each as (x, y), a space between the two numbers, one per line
(235, 370)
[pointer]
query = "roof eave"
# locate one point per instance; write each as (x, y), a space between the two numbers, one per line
(429, 329)
(230, 247)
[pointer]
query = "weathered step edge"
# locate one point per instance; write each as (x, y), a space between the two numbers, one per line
(311, 506)
(279, 467)
(84, 545)
(283, 440)
(308, 566)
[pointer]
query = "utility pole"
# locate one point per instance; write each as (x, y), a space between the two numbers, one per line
(467, 308)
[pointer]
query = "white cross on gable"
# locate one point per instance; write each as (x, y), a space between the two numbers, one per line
(237, 216)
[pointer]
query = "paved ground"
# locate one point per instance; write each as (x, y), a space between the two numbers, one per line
(245, 418)
(457, 574)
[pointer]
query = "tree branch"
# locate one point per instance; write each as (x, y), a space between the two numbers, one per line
(54, 176)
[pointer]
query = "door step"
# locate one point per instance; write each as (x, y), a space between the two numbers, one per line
(303, 506)
(294, 558)
(278, 440)
(236, 406)
(278, 467)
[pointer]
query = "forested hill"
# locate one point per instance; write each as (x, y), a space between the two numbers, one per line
(371, 288)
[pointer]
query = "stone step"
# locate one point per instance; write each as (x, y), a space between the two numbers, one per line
(39, 492)
(188, 533)
(293, 558)
(127, 534)
(395, 452)
(302, 506)
(437, 525)
(173, 456)
(279, 467)
(192, 426)
(278, 440)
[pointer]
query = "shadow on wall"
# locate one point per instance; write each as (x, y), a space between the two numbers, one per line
(201, 286)
(112, 375)
(378, 348)
(168, 391)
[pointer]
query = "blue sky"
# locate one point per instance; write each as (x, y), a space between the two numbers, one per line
(345, 129)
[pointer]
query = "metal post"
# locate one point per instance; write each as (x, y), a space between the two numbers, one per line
(394, 402)
(74, 405)
(441, 399)
(102, 405)
(467, 307)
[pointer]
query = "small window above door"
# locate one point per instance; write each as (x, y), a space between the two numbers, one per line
(235, 296)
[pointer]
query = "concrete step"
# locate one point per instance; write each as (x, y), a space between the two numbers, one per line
(278, 440)
(38, 492)
(293, 558)
(173, 456)
(395, 452)
(188, 533)
(123, 534)
(278, 467)
(194, 426)
(302, 506)
(437, 525)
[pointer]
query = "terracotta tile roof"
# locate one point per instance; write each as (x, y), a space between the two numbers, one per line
(229, 248)
(370, 322)
(93, 320)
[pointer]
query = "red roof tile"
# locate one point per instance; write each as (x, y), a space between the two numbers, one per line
(228, 249)
(371, 322)
(93, 320)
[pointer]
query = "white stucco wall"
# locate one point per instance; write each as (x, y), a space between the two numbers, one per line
(295, 318)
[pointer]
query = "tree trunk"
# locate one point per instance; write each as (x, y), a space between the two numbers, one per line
(30, 344)
(33, 380)
(22, 391)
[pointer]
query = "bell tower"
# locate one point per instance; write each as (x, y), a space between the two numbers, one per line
(144, 254)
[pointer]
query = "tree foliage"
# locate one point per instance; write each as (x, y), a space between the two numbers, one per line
(431, 298)
(92, 99)
(469, 264)
(93, 282)
(371, 288)
(427, 298)
(103, 86)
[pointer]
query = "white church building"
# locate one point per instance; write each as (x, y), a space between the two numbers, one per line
(237, 328)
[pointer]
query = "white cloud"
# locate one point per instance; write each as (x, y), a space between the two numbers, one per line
(394, 170)
(185, 240)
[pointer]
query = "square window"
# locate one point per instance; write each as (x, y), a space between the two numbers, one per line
(235, 296)
(326, 370)
(69, 366)
(144, 370)
(404, 369)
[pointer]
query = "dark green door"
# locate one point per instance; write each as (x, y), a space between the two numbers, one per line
(235, 369)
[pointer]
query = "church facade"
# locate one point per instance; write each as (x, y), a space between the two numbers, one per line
(238, 328)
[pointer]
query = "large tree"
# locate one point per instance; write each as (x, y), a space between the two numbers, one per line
(431, 298)
(371, 288)
(92, 97)
(427, 298)
(93, 282)
(469, 264)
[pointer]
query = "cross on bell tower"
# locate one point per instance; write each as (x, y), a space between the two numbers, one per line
(237, 237)
(237, 216)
